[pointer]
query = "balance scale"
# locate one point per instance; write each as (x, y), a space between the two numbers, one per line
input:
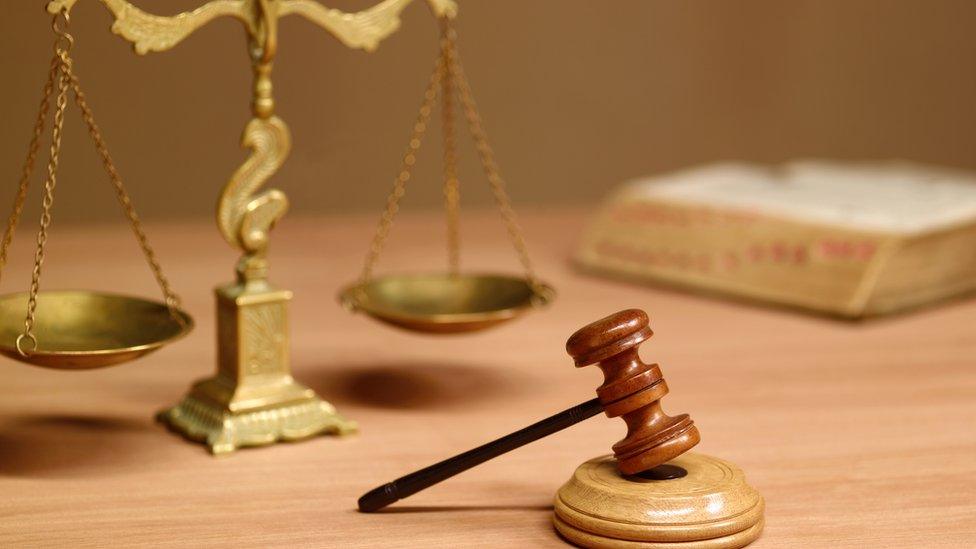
(253, 399)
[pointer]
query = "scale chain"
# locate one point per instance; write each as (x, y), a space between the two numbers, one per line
(62, 45)
(29, 162)
(452, 195)
(172, 299)
(406, 168)
(490, 167)
(449, 75)
(62, 71)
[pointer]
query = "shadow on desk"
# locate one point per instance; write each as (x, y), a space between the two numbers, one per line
(410, 385)
(59, 446)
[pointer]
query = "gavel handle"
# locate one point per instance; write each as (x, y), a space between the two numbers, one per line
(408, 485)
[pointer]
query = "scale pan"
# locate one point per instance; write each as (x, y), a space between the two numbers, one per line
(80, 330)
(444, 303)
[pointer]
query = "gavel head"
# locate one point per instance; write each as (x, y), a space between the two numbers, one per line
(632, 390)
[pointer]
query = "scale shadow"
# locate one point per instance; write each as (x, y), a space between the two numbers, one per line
(61, 446)
(410, 385)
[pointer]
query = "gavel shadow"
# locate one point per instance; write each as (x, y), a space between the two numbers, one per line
(59, 446)
(410, 385)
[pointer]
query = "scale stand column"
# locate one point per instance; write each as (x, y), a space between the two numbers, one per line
(253, 399)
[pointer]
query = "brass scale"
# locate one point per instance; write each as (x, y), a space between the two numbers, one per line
(253, 399)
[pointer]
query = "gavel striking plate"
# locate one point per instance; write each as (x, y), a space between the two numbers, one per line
(652, 492)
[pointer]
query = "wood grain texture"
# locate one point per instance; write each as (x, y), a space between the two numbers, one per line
(857, 435)
(712, 507)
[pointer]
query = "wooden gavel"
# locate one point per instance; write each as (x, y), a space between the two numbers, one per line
(631, 389)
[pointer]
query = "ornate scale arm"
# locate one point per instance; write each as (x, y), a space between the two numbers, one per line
(364, 29)
(154, 33)
(151, 33)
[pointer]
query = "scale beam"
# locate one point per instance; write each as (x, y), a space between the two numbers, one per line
(155, 33)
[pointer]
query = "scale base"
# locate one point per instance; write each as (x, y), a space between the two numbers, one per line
(710, 507)
(295, 413)
(253, 400)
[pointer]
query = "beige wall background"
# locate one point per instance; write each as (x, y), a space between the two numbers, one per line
(577, 96)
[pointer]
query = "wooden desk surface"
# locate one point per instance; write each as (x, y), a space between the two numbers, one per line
(858, 435)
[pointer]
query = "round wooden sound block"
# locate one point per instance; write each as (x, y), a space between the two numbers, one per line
(711, 506)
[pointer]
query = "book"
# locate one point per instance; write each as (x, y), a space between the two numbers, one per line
(845, 239)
